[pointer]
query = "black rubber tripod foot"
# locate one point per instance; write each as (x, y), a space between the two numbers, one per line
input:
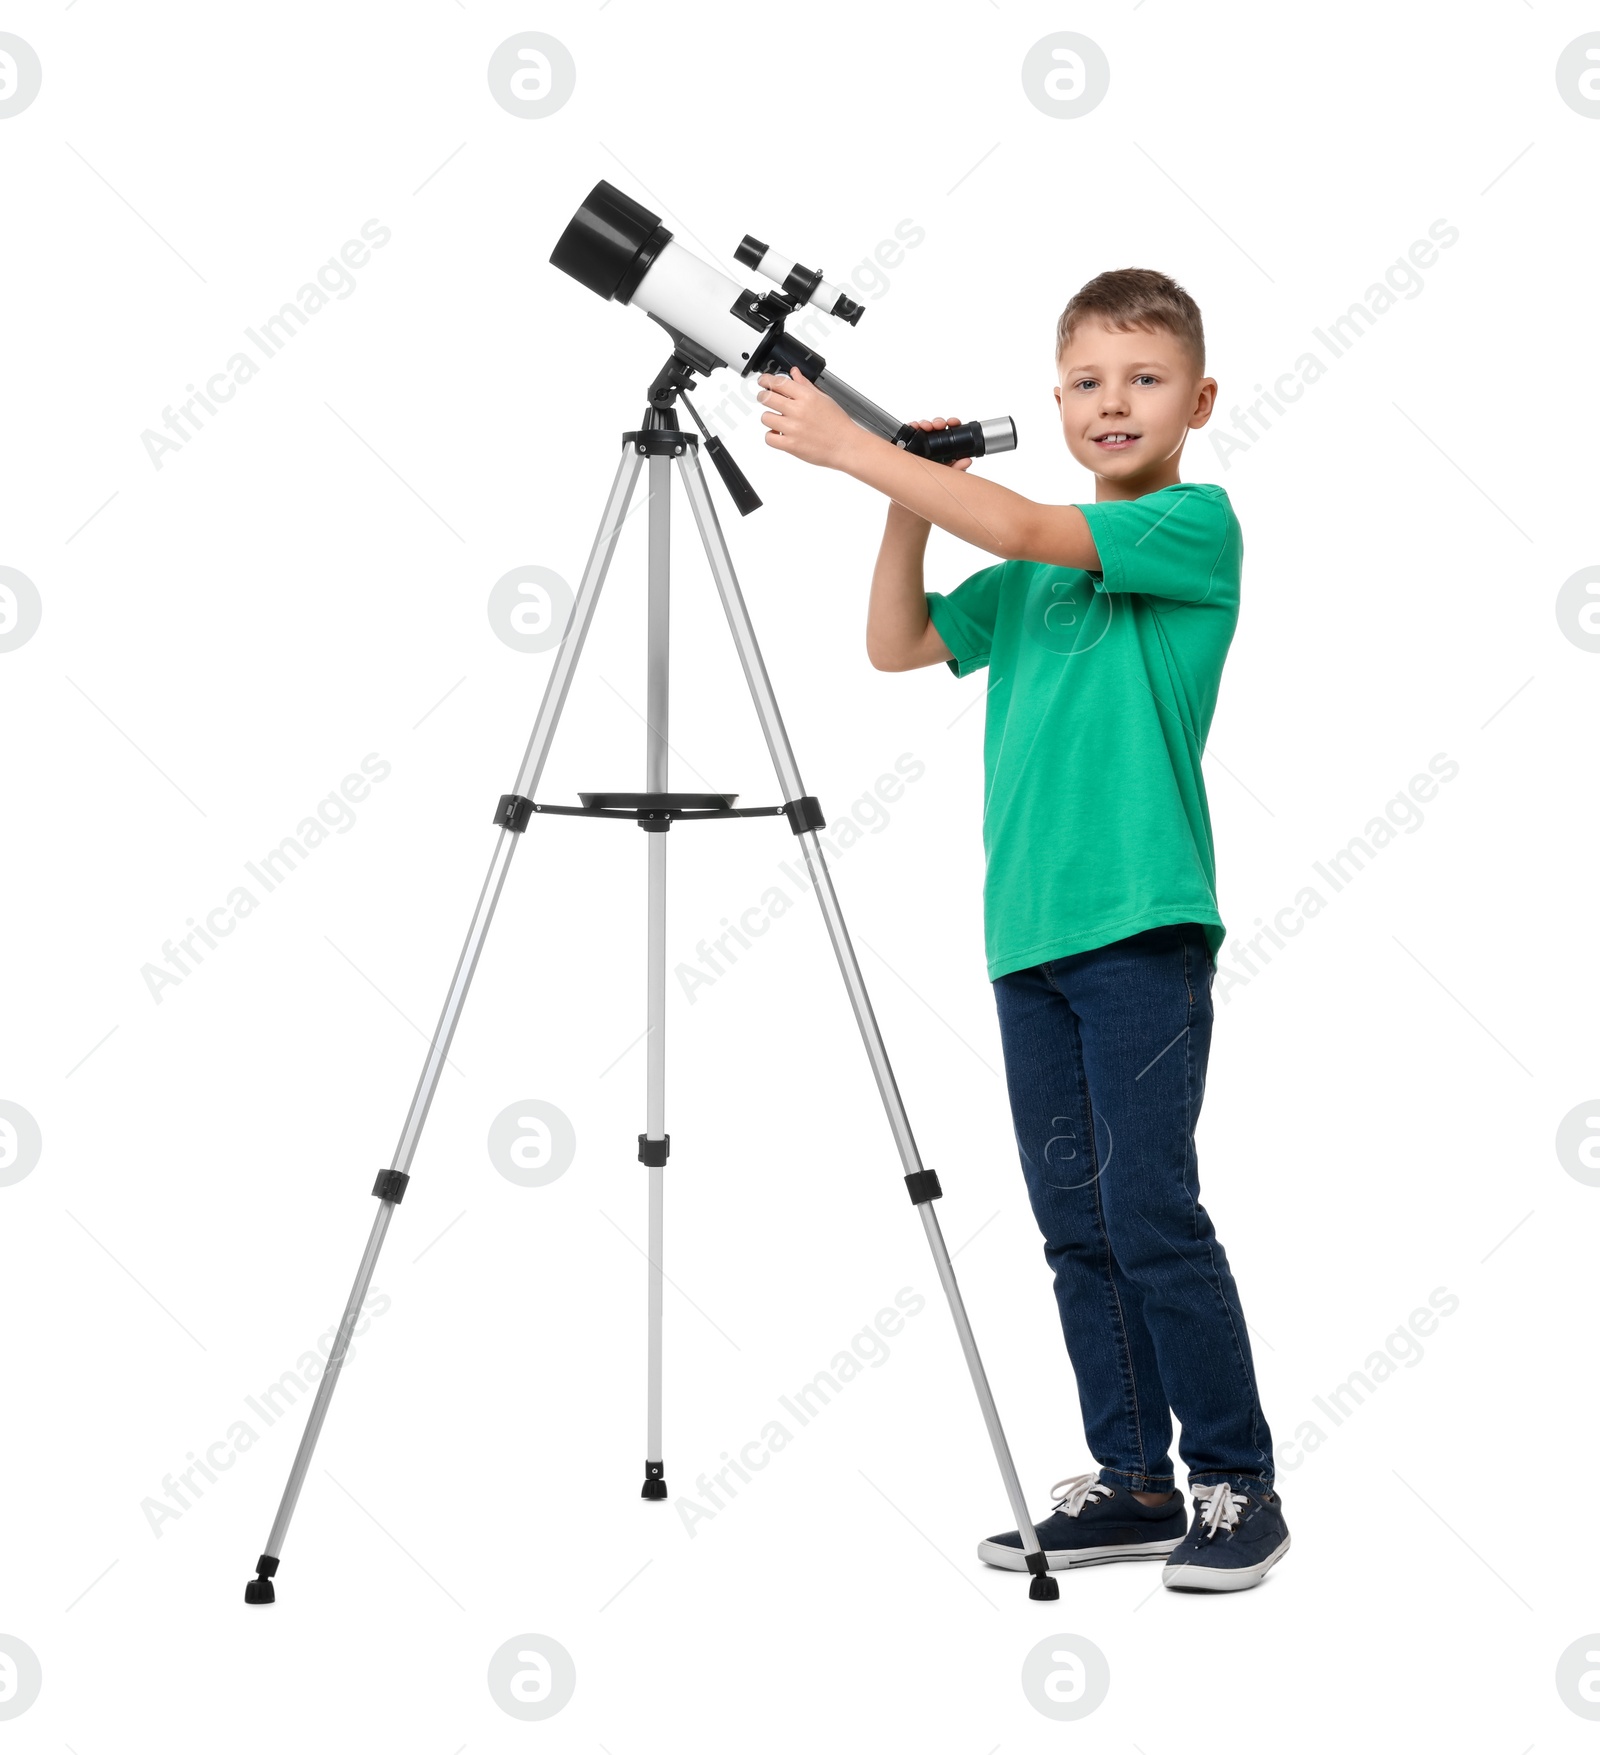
(655, 1481)
(1043, 1588)
(259, 1589)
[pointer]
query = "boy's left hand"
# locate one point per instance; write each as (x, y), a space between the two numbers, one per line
(804, 421)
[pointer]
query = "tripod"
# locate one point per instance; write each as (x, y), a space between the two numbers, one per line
(664, 445)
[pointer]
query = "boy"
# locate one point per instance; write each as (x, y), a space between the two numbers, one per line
(1104, 630)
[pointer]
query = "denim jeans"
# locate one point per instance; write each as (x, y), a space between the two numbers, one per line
(1105, 1055)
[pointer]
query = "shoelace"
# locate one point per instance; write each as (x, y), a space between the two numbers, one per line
(1222, 1506)
(1077, 1491)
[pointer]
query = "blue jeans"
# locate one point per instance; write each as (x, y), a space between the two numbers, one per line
(1105, 1056)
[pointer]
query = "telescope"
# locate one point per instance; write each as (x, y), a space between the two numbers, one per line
(622, 251)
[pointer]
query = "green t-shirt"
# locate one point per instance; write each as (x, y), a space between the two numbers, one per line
(1101, 691)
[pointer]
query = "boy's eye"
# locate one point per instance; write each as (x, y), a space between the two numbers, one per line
(1145, 378)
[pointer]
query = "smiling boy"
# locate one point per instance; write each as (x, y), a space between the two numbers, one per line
(1104, 627)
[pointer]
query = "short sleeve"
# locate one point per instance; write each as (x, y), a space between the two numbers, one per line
(965, 618)
(1181, 543)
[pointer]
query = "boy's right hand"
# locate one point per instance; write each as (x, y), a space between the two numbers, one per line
(938, 426)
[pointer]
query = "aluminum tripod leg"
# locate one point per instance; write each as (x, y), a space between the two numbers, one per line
(1043, 1586)
(655, 780)
(391, 1184)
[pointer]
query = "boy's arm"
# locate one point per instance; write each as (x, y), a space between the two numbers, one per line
(899, 634)
(808, 424)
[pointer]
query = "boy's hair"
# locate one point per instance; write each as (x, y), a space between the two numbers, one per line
(1135, 298)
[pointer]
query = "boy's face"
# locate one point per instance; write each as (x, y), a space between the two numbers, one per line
(1128, 398)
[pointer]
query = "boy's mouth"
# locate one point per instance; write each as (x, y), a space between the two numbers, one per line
(1118, 441)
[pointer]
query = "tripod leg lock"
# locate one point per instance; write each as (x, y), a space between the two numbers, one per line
(391, 1185)
(513, 812)
(654, 1152)
(923, 1186)
(804, 813)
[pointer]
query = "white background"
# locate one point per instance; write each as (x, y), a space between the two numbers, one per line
(224, 638)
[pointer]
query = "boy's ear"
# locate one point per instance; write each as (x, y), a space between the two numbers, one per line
(1205, 402)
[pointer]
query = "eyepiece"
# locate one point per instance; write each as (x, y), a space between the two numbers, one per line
(976, 438)
(610, 242)
(997, 435)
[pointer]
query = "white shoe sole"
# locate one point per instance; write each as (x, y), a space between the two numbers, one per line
(1223, 1577)
(1064, 1559)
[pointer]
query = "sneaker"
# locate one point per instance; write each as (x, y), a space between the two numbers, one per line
(1093, 1523)
(1236, 1539)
